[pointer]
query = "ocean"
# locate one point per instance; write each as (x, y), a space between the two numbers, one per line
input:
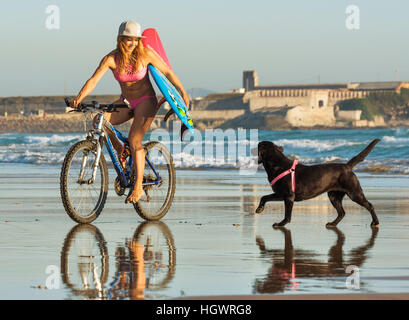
(232, 148)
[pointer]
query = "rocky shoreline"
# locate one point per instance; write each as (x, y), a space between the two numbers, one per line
(65, 123)
(52, 123)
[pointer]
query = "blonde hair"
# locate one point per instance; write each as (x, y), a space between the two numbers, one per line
(125, 60)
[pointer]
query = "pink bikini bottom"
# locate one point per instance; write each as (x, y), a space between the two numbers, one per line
(134, 103)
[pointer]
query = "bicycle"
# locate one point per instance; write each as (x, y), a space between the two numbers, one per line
(84, 191)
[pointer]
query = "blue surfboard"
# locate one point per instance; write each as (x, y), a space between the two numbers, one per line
(172, 96)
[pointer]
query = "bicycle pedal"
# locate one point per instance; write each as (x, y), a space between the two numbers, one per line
(120, 191)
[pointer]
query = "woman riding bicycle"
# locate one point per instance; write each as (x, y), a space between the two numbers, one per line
(128, 63)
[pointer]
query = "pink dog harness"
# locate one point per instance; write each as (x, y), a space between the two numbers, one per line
(292, 171)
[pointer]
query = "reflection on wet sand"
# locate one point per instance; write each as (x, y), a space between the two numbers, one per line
(291, 264)
(145, 263)
(84, 261)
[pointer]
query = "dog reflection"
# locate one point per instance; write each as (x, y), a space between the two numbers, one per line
(290, 264)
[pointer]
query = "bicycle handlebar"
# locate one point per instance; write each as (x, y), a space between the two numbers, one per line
(94, 105)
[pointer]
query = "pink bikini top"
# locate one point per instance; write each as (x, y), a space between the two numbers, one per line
(130, 76)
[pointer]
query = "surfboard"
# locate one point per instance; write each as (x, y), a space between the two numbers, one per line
(153, 42)
(170, 93)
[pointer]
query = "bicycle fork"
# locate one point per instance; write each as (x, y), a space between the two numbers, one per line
(101, 133)
(96, 162)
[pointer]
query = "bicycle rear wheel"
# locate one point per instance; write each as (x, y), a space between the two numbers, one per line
(160, 174)
(83, 201)
(159, 253)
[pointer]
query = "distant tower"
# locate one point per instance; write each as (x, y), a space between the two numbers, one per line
(250, 80)
(396, 74)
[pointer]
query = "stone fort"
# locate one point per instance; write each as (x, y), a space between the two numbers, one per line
(304, 104)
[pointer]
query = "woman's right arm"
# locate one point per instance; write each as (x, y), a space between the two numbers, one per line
(105, 64)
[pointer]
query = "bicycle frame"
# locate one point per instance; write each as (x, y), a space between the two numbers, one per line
(84, 178)
(124, 177)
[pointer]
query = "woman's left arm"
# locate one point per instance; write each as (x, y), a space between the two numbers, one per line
(155, 60)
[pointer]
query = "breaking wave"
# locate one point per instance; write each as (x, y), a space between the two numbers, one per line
(310, 146)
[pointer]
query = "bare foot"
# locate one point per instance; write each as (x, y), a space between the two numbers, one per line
(135, 196)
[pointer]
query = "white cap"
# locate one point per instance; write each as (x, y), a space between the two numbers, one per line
(130, 29)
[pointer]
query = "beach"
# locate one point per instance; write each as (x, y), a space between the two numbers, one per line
(274, 101)
(210, 243)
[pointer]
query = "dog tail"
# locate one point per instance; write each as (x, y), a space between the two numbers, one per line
(361, 156)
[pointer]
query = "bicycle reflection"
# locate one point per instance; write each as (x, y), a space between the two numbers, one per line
(145, 263)
(291, 264)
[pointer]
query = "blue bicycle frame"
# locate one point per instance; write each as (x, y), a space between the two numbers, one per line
(125, 177)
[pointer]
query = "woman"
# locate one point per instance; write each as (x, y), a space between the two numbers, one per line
(128, 63)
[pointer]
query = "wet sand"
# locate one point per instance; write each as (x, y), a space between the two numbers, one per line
(210, 244)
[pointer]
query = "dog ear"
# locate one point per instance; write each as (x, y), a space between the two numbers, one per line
(281, 149)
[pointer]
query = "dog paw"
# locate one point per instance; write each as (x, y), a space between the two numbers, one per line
(260, 243)
(278, 225)
(375, 225)
(259, 209)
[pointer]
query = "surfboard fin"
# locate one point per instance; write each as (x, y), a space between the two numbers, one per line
(170, 112)
(182, 131)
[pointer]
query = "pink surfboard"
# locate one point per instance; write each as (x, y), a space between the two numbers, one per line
(153, 42)
(170, 93)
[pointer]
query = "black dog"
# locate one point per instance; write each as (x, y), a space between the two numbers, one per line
(337, 179)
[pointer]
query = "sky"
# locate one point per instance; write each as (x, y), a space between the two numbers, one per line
(209, 43)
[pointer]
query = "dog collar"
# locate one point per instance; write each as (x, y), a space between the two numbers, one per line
(292, 171)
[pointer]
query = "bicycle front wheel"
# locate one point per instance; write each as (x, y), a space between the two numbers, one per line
(83, 199)
(159, 181)
(84, 261)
